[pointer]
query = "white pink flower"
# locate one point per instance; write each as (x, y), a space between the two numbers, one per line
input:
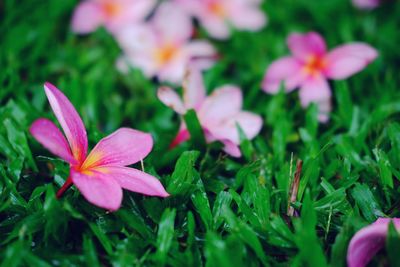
(311, 65)
(218, 16)
(163, 47)
(219, 114)
(112, 14)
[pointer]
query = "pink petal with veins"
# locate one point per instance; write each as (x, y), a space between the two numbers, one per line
(69, 120)
(98, 189)
(134, 180)
(121, 148)
(48, 134)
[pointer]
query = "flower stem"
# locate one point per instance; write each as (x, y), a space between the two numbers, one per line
(66, 185)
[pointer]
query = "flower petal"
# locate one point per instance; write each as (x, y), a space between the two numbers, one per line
(286, 70)
(172, 23)
(135, 180)
(129, 13)
(232, 149)
(202, 54)
(305, 45)
(216, 26)
(247, 16)
(229, 147)
(121, 148)
(249, 122)
(87, 17)
(171, 99)
(194, 91)
(368, 241)
(69, 120)
(317, 90)
(48, 134)
(349, 59)
(223, 103)
(366, 4)
(98, 189)
(182, 136)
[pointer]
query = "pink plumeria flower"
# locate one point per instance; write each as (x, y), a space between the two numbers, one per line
(101, 175)
(311, 65)
(218, 113)
(366, 243)
(162, 48)
(366, 4)
(217, 16)
(113, 14)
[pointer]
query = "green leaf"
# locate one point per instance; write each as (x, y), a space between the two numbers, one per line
(202, 205)
(165, 235)
(246, 234)
(393, 245)
(184, 176)
(90, 252)
(310, 251)
(196, 131)
(384, 167)
(366, 202)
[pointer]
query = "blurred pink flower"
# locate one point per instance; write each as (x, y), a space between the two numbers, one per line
(366, 243)
(217, 16)
(113, 14)
(218, 113)
(162, 48)
(311, 65)
(102, 174)
(366, 4)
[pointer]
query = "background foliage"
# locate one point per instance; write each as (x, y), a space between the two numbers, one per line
(223, 212)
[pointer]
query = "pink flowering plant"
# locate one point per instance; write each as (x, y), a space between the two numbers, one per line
(219, 114)
(311, 65)
(101, 175)
(111, 14)
(163, 47)
(218, 17)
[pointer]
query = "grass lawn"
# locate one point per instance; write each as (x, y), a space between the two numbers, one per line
(223, 211)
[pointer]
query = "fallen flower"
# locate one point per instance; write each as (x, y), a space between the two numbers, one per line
(366, 4)
(218, 113)
(102, 174)
(217, 16)
(113, 14)
(366, 243)
(311, 65)
(162, 48)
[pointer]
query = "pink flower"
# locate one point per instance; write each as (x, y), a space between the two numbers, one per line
(366, 4)
(101, 175)
(366, 243)
(218, 113)
(162, 48)
(311, 65)
(217, 16)
(113, 14)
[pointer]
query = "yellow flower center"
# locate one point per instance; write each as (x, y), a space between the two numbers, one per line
(165, 53)
(314, 65)
(217, 9)
(111, 9)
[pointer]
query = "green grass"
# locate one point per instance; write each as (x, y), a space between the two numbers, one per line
(223, 211)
